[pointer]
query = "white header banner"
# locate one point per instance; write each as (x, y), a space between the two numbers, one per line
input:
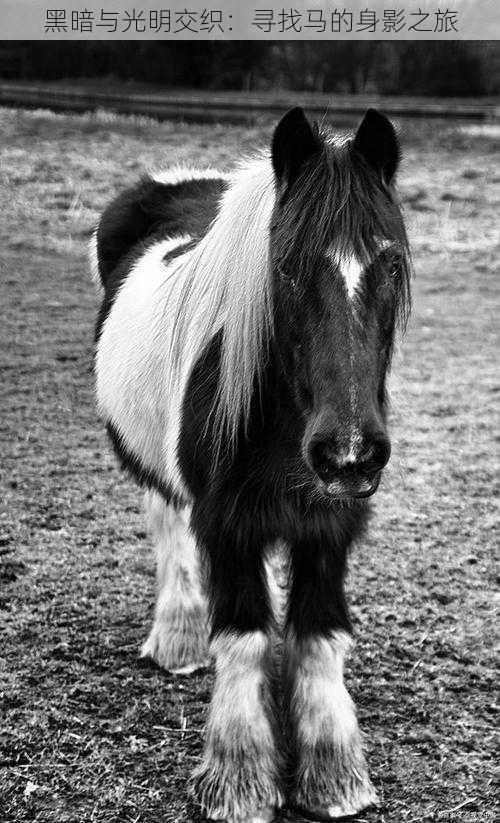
(250, 20)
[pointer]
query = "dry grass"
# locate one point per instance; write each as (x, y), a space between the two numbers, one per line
(87, 733)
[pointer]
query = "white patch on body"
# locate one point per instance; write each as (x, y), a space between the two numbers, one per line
(133, 367)
(178, 640)
(165, 314)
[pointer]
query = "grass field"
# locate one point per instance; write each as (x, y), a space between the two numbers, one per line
(87, 733)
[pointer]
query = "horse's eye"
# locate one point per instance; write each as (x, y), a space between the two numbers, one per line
(395, 263)
(392, 262)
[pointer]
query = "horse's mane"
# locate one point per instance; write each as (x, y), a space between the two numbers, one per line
(229, 274)
(338, 206)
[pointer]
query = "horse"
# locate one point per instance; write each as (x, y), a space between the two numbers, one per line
(242, 347)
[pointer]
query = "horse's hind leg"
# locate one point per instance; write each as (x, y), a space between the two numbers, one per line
(178, 638)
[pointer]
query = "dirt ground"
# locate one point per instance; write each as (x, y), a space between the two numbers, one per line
(87, 732)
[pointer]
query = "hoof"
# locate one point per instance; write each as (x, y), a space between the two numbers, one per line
(337, 811)
(190, 668)
(229, 801)
(178, 646)
(330, 813)
(264, 815)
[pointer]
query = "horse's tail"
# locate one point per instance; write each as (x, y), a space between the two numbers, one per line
(134, 215)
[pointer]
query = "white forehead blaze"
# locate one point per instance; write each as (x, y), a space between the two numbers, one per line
(350, 269)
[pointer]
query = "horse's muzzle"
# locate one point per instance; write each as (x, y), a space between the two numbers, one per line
(351, 488)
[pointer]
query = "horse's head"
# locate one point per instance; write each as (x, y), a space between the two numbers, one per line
(341, 280)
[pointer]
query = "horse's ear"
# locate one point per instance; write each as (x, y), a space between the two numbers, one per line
(377, 141)
(294, 142)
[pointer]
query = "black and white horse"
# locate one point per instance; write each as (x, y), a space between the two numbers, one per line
(242, 349)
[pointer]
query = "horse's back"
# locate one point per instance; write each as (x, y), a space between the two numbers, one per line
(152, 210)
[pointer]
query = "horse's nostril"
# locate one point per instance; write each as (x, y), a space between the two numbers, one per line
(322, 458)
(377, 454)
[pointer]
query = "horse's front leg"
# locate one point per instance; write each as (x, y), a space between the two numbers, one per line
(330, 773)
(238, 778)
